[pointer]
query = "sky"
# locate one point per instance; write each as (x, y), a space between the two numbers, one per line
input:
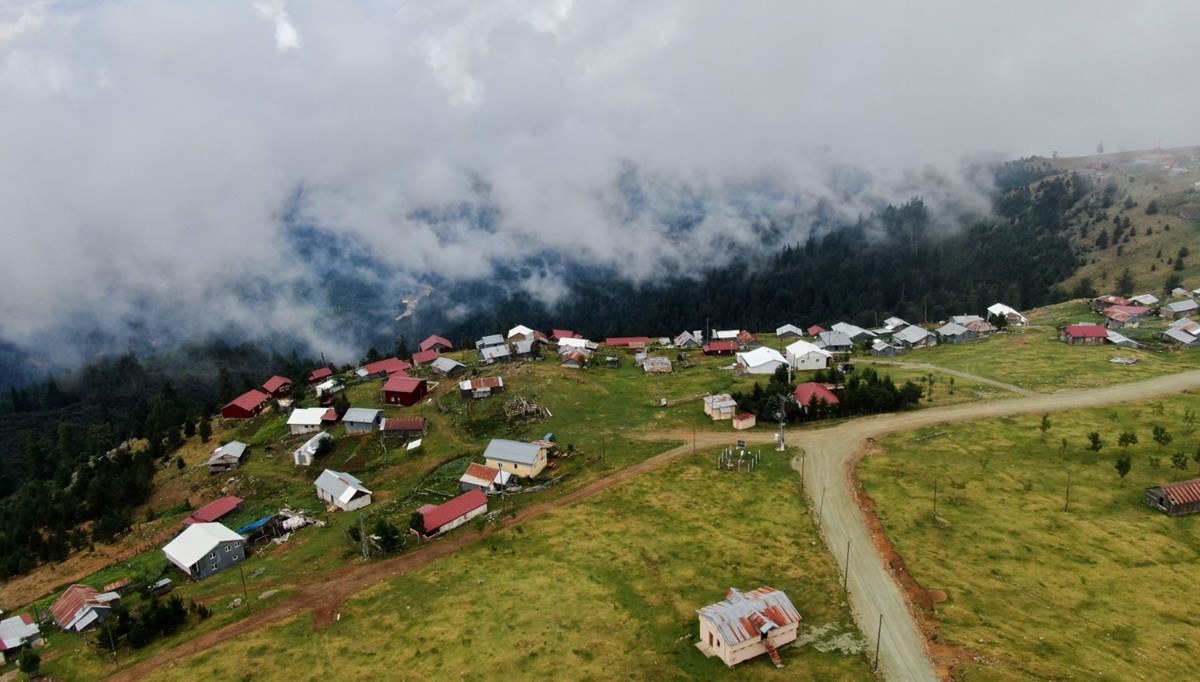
(149, 151)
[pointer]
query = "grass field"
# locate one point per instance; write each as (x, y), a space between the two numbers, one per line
(605, 589)
(1105, 591)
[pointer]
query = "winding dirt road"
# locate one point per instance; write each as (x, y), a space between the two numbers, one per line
(831, 455)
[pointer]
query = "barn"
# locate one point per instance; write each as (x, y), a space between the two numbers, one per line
(402, 390)
(246, 405)
(278, 386)
(1175, 499)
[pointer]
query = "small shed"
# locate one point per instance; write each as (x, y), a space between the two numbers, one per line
(342, 490)
(748, 624)
(227, 457)
(883, 349)
(657, 365)
(1084, 334)
(405, 427)
(448, 367)
(483, 477)
(425, 357)
(361, 419)
(789, 331)
(1175, 499)
(405, 391)
(721, 406)
(480, 388)
(215, 510)
(437, 343)
(82, 607)
(745, 420)
(319, 374)
(433, 520)
(955, 332)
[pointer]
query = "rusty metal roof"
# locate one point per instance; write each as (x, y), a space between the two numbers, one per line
(1183, 492)
(744, 616)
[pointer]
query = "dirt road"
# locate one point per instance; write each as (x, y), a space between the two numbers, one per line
(954, 372)
(831, 455)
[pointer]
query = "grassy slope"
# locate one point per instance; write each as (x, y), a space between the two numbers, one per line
(606, 588)
(1039, 593)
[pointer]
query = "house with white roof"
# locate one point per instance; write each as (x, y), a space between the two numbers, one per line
(361, 419)
(1007, 312)
(883, 349)
(803, 356)
(894, 324)
(203, 549)
(914, 337)
(761, 360)
(520, 332)
(485, 478)
(524, 460)
(342, 490)
(1145, 299)
(720, 406)
(789, 331)
(748, 624)
(688, 340)
(306, 419)
(16, 633)
(305, 454)
(853, 331)
(726, 334)
(834, 342)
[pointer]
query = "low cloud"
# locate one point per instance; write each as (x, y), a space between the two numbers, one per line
(155, 155)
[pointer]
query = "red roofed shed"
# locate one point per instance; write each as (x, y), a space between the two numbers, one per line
(386, 367)
(394, 427)
(1084, 334)
(721, 348)
(816, 329)
(246, 405)
(401, 390)
(1176, 499)
(628, 341)
(557, 334)
(319, 374)
(441, 518)
(425, 357)
(215, 510)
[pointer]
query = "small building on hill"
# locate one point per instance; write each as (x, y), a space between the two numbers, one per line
(309, 419)
(480, 388)
(278, 387)
(246, 406)
(328, 388)
(433, 520)
(81, 608)
(525, 350)
(361, 419)
(1175, 499)
(448, 367)
(721, 406)
(688, 340)
(1101, 302)
(954, 332)
(1083, 334)
(403, 427)
(437, 343)
(789, 331)
(227, 457)
(834, 342)
(204, 549)
(1010, 314)
(405, 391)
(1172, 310)
(425, 357)
(748, 340)
(305, 454)
(490, 355)
(913, 336)
(215, 510)
(524, 460)
(634, 342)
(342, 490)
(815, 330)
(748, 624)
(319, 374)
(883, 349)
(657, 365)
(382, 368)
(483, 477)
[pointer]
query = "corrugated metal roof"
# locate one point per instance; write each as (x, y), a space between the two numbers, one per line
(75, 598)
(481, 382)
(361, 415)
(1086, 331)
(911, 334)
(804, 393)
(386, 366)
(479, 474)
(952, 329)
(404, 424)
(319, 373)
(761, 356)
(197, 540)
(512, 451)
(445, 513)
(214, 510)
(743, 616)
(275, 383)
(16, 630)
(307, 416)
(340, 485)
(1183, 492)
(495, 352)
(399, 384)
(234, 449)
(425, 357)
(852, 330)
(801, 348)
(1182, 306)
(435, 340)
(834, 338)
(250, 400)
(446, 365)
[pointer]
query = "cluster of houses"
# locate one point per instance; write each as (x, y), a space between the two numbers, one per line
(1122, 313)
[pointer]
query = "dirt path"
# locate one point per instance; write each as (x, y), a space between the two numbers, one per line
(962, 375)
(831, 456)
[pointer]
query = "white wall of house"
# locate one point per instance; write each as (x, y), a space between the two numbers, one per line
(811, 360)
(731, 655)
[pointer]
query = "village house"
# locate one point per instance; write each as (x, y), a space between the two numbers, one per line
(246, 405)
(433, 520)
(688, 340)
(657, 365)
(894, 324)
(725, 334)
(525, 349)
(748, 624)
(493, 354)
(964, 320)
(341, 490)
(437, 343)
(425, 357)
(382, 368)
(747, 340)
(788, 331)
(721, 406)
(227, 457)
(489, 341)
(953, 332)
(328, 388)
(834, 342)
(82, 607)
(720, 348)
(1180, 292)
(574, 358)
(635, 342)
(17, 633)
(761, 360)
(1101, 302)
(361, 419)
(524, 460)
(804, 356)
(855, 332)
(1184, 331)
(558, 335)
(405, 391)
(305, 454)
(204, 549)
(743, 421)
(319, 374)
(811, 392)
(1118, 339)
(406, 427)
(485, 478)
(521, 333)
(913, 336)
(982, 328)
(1175, 499)
(883, 349)
(480, 388)
(1178, 308)
(278, 387)
(1145, 299)
(1083, 334)
(816, 329)
(215, 510)
(448, 367)
(309, 419)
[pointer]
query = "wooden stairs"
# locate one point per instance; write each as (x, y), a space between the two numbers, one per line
(773, 653)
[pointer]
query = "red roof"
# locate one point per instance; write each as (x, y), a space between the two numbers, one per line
(250, 400)
(404, 424)
(482, 472)
(487, 382)
(1183, 492)
(623, 341)
(75, 598)
(720, 346)
(805, 392)
(1084, 331)
(275, 383)
(425, 357)
(743, 416)
(1128, 309)
(388, 366)
(435, 340)
(214, 510)
(816, 329)
(442, 514)
(319, 373)
(123, 582)
(402, 384)
(330, 415)
(564, 334)
(1112, 300)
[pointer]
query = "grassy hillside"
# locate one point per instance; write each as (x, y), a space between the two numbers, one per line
(1036, 592)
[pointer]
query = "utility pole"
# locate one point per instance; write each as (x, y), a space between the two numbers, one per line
(245, 593)
(821, 509)
(846, 575)
(362, 536)
(935, 498)
(1067, 504)
(693, 440)
(878, 640)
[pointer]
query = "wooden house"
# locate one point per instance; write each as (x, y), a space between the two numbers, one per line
(1083, 334)
(246, 406)
(883, 349)
(407, 427)
(448, 367)
(1101, 302)
(382, 368)
(834, 342)
(81, 608)
(227, 457)
(913, 336)
(747, 340)
(748, 624)
(1175, 499)
(405, 391)
(1179, 308)
(480, 388)
(433, 520)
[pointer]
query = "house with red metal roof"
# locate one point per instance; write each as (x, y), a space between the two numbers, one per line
(635, 342)
(433, 520)
(215, 510)
(277, 386)
(403, 390)
(480, 387)
(1175, 499)
(425, 357)
(403, 427)
(82, 607)
(1083, 334)
(319, 374)
(748, 624)
(246, 405)
(721, 348)
(560, 334)
(483, 477)
(816, 329)
(807, 392)
(16, 633)
(438, 343)
(382, 368)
